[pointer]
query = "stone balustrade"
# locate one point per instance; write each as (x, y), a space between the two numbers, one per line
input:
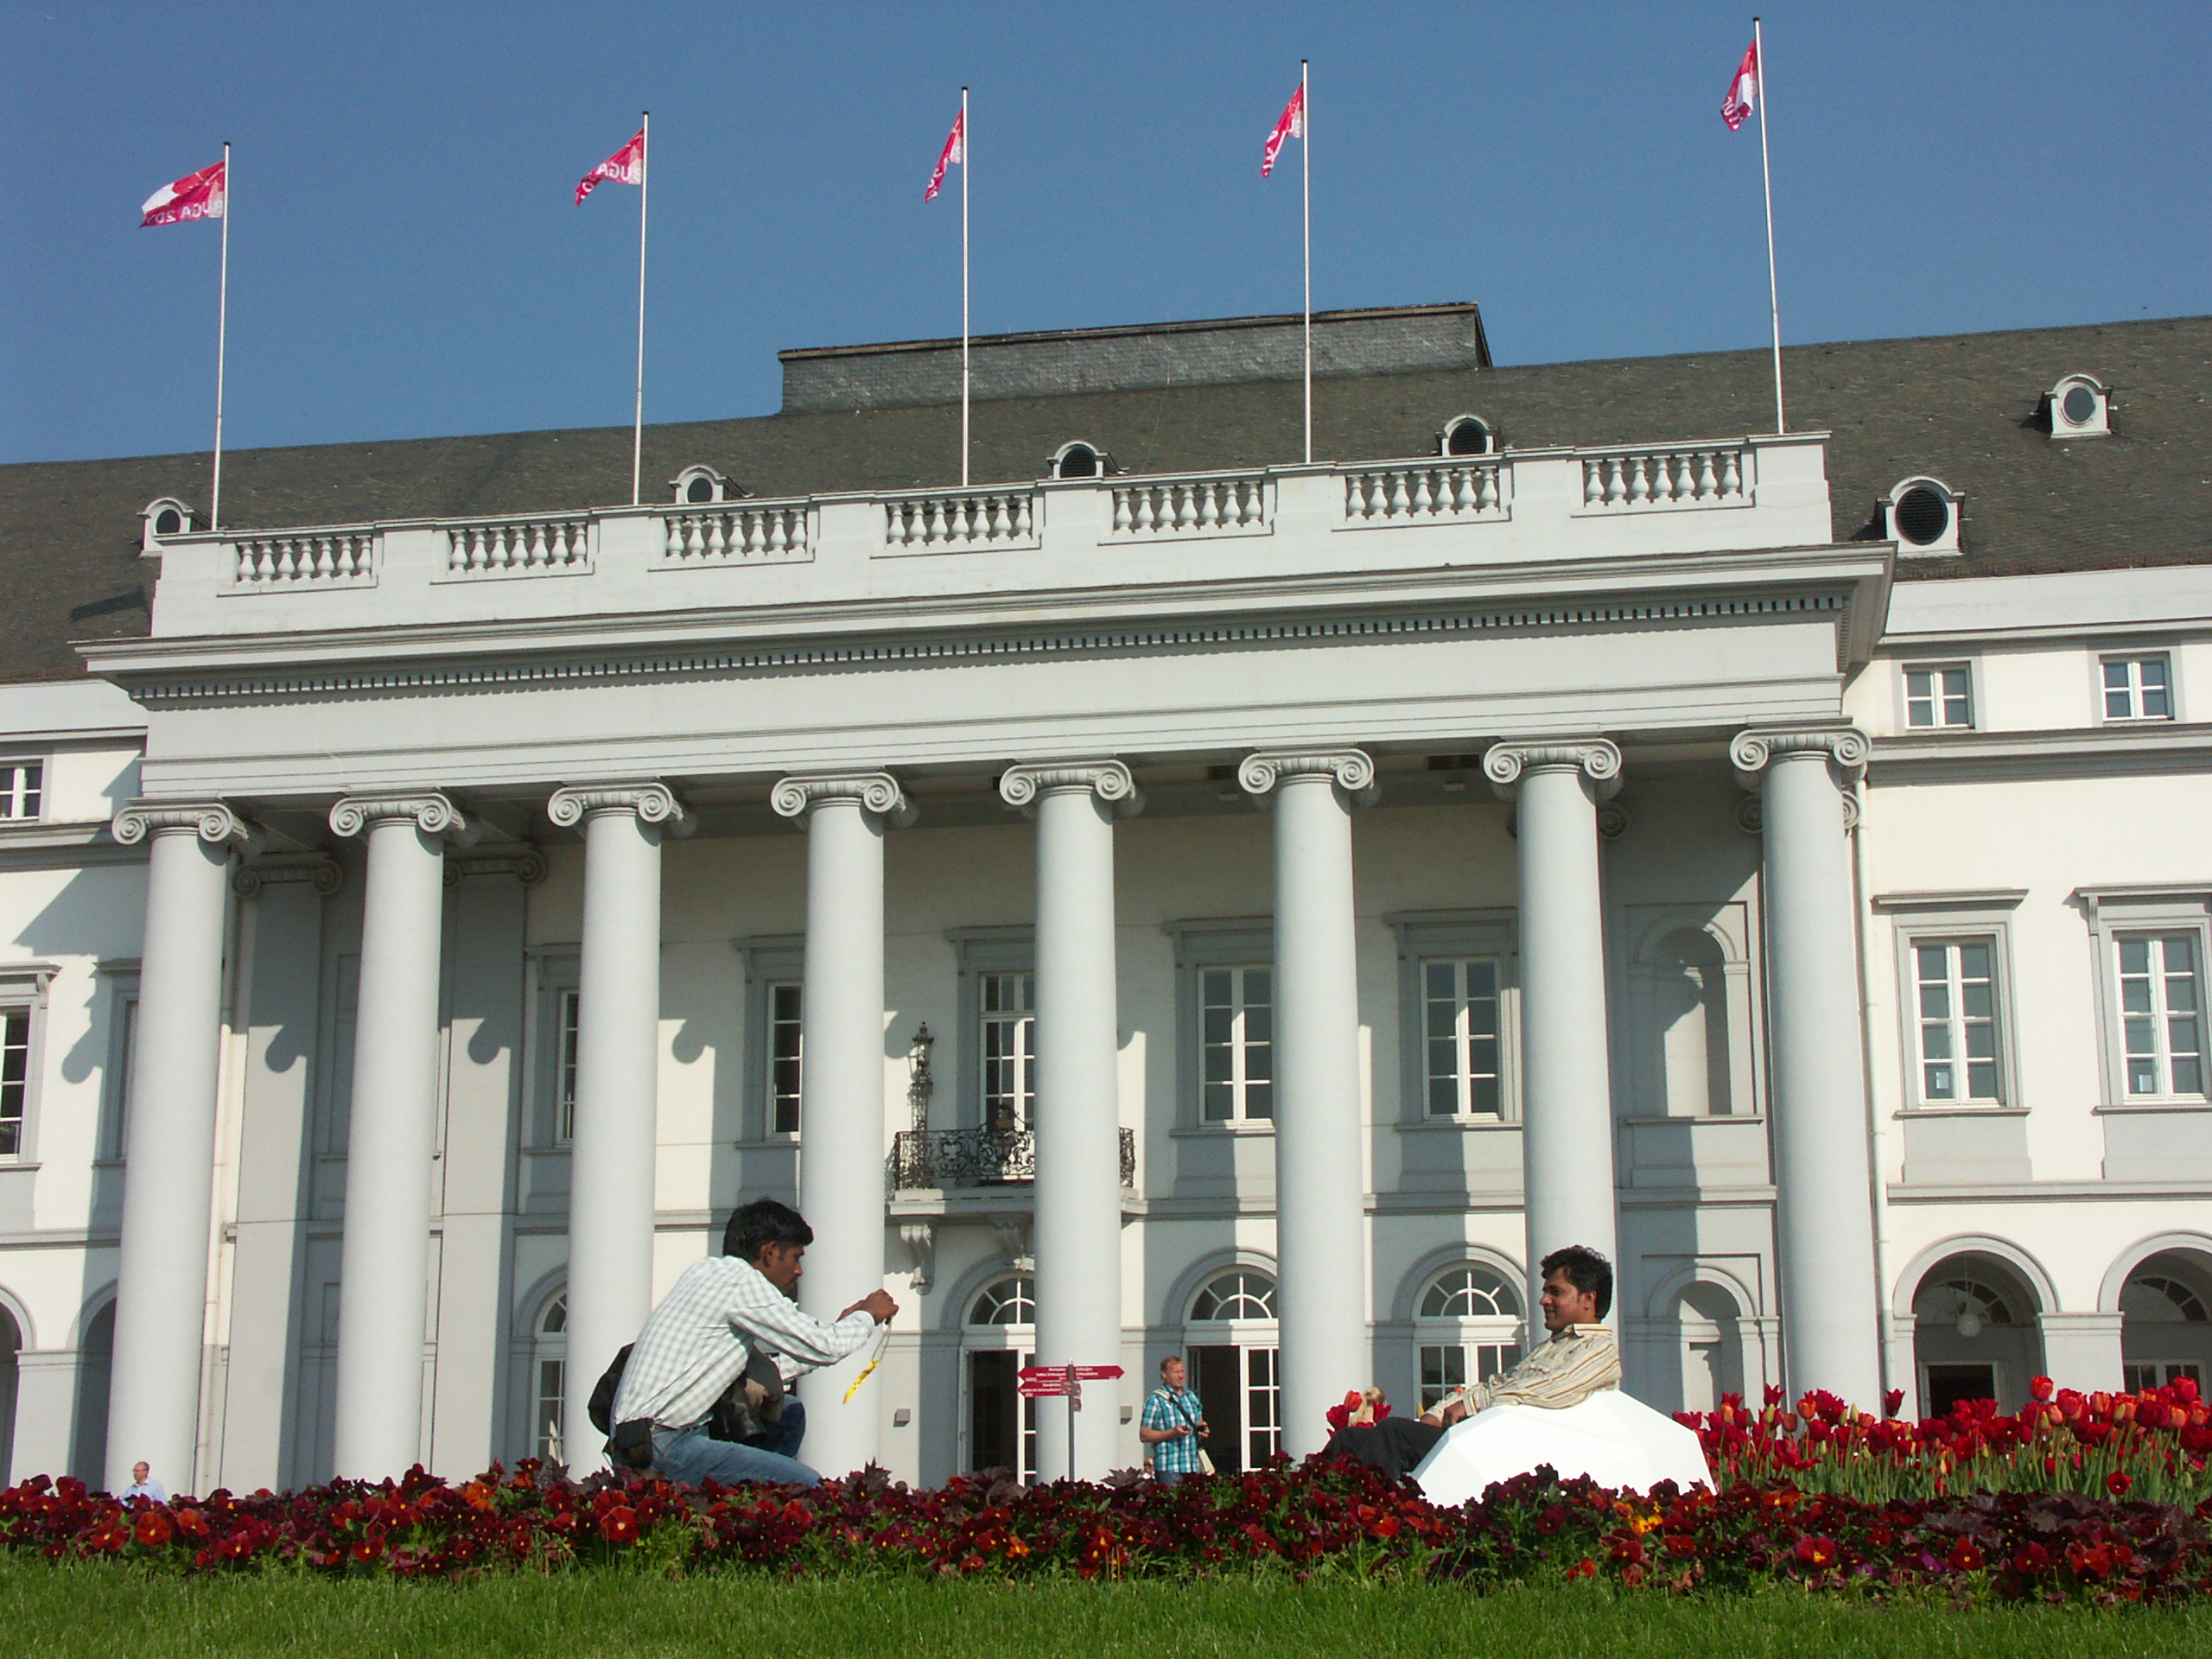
(968, 518)
(1419, 493)
(724, 535)
(341, 557)
(1191, 506)
(520, 547)
(1635, 480)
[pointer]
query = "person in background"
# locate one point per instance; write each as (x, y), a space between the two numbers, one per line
(1173, 1423)
(142, 1485)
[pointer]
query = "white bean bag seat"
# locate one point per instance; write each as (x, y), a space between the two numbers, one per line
(1614, 1439)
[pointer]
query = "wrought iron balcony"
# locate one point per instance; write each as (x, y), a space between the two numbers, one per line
(946, 1158)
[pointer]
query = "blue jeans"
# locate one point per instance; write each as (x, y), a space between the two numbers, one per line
(691, 1455)
(1171, 1477)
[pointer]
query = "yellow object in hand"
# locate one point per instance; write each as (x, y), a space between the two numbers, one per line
(865, 1371)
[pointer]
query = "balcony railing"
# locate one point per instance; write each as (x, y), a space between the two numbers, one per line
(949, 1158)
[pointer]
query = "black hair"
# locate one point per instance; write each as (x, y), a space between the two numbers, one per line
(1586, 1270)
(764, 1222)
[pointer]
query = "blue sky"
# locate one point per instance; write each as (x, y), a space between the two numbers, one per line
(406, 259)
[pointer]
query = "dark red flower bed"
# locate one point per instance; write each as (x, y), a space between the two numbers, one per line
(1300, 1520)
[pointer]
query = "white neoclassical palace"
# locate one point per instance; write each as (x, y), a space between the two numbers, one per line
(1174, 900)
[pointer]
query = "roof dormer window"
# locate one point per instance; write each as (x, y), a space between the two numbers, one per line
(163, 517)
(1922, 516)
(1465, 435)
(2078, 407)
(1080, 460)
(701, 486)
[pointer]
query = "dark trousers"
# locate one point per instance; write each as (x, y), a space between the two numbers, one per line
(1395, 1445)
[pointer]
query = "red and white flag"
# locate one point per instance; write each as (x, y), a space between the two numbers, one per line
(625, 166)
(196, 196)
(956, 151)
(1291, 124)
(1743, 90)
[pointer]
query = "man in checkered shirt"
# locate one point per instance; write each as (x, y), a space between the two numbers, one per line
(1173, 1424)
(705, 1330)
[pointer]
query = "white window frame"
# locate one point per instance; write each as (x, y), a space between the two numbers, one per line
(2115, 913)
(2157, 1017)
(25, 781)
(771, 961)
(547, 1348)
(1456, 936)
(980, 951)
(1965, 964)
(559, 974)
(2134, 659)
(1483, 1343)
(1258, 1343)
(23, 990)
(1953, 918)
(1939, 697)
(1249, 1044)
(1020, 1339)
(1210, 943)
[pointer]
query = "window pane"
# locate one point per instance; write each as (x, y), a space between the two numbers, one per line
(1973, 962)
(1217, 1102)
(1437, 977)
(2115, 677)
(1936, 1042)
(1443, 1096)
(1483, 1096)
(1259, 986)
(1259, 1100)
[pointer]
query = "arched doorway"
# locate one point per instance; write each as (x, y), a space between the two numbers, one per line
(997, 1338)
(2166, 1331)
(1467, 1327)
(1230, 1341)
(549, 1380)
(1709, 1324)
(1974, 1335)
(95, 1368)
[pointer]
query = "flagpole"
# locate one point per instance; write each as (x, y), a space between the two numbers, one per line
(1306, 180)
(222, 332)
(638, 420)
(1766, 176)
(964, 286)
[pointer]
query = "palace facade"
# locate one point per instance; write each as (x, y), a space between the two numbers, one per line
(1173, 900)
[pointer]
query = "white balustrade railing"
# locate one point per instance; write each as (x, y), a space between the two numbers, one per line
(1708, 475)
(1191, 506)
(756, 530)
(1422, 493)
(314, 558)
(987, 518)
(519, 547)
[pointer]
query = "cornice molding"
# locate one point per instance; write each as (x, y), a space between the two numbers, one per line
(1350, 770)
(1845, 746)
(1019, 785)
(214, 823)
(795, 796)
(319, 870)
(1597, 758)
(433, 813)
(652, 802)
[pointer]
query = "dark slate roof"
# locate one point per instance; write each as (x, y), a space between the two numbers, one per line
(1960, 408)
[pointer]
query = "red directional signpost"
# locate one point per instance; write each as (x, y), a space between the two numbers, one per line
(1057, 1382)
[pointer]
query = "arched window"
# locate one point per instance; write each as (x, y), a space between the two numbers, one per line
(1232, 1359)
(1080, 460)
(2166, 1321)
(549, 1370)
(1465, 435)
(1242, 1294)
(997, 1343)
(1974, 1335)
(1466, 1327)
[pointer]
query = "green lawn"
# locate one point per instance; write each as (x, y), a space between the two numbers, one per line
(109, 1610)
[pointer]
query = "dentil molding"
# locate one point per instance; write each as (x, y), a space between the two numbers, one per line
(1352, 770)
(1020, 785)
(434, 815)
(213, 822)
(874, 792)
(653, 802)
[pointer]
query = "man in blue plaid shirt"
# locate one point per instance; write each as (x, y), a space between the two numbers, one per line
(1173, 1424)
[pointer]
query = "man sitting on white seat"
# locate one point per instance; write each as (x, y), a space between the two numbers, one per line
(1578, 1361)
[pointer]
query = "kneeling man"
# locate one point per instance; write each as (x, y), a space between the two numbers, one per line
(1578, 1361)
(707, 1329)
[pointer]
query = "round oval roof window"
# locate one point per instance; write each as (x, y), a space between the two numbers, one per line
(1467, 438)
(2080, 405)
(168, 522)
(1922, 516)
(1079, 460)
(700, 489)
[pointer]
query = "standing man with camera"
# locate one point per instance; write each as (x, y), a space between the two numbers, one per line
(701, 1338)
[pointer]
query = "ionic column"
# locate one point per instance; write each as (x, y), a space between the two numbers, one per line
(842, 1092)
(618, 1051)
(1320, 1184)
(383, 1260)
(1825, 1207)
(161, 1306)
(1566, 1105)
(1078, 1121)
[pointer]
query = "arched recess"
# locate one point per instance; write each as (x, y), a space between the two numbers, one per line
(95, 1337)
(1703, 1337)
(1693, 1045)
(1972, 1306)
(997, 1314)
(533, 1391)
(2161, 1288)
(12, 1344)
(1224, 1306)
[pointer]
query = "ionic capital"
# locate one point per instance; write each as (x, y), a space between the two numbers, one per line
(432, 814)
(873, 791)
(1351, 769)
(1110, 780)
(1845, 746)
(212, 821)
(652, 802)
(1595, 757)
(319, 870)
